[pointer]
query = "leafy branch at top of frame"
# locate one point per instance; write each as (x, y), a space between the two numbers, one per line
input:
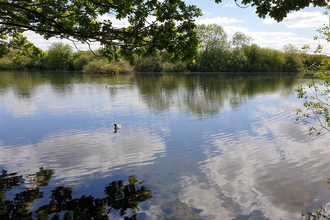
(171, 26)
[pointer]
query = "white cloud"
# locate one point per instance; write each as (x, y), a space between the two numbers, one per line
(115, 22)
(277, 39)
(219, 20)
(230, 5)
(302, 19)
(206, 13)
(274, 40)
(41, 42)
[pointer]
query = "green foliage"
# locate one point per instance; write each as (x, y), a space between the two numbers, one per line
(103, 66)
(148, 64)
(278, 9)
(217, 54)
(263, 59)
(293, 61)
(175, 67)
(59, 56)
(316, 96)
(276, 60)
(6, 63)
(160, 62)
(212, 37)
(81, 59)
(22, 54)
(290, 49)
(21, 62)
(172, 28)
(213, 48)
(293, 64)
(239, 39)
(3, 45)
(312, 61)
(237, 60)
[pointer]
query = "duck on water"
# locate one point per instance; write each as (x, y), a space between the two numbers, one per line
(117, 127)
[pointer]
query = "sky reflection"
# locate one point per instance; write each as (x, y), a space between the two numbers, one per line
(269, 167)
(78, 154)
(213, 146)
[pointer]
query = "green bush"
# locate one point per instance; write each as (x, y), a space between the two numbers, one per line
(311, 61)
(6, 63)
(59, 56)
(81, 59)
(175, 67)
(14, 60)
(293, 64)
(124, 65)
(103, 66)
(22, 62)
(148, 64)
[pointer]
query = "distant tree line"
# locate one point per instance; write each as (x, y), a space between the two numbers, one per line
(216, 54)
(172, 27)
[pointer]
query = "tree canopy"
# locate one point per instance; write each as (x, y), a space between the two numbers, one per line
(278, 9)
(152, 24)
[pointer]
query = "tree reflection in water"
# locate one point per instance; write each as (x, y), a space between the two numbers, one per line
(119, 196)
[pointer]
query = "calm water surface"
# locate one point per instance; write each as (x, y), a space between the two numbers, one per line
(198, 146)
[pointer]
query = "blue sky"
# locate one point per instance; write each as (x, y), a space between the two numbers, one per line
(298, 28)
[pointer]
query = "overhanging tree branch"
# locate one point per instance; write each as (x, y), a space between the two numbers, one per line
(172, 28)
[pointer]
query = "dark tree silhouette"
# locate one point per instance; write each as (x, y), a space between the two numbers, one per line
(118, 196)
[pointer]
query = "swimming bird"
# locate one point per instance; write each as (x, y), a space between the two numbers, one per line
(117, 127)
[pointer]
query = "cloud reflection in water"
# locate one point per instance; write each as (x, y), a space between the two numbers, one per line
(76, 154)
(251, 178)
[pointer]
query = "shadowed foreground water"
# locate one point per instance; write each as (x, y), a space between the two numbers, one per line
(191, 146)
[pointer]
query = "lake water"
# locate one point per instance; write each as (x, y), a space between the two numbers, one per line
(191, 146)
